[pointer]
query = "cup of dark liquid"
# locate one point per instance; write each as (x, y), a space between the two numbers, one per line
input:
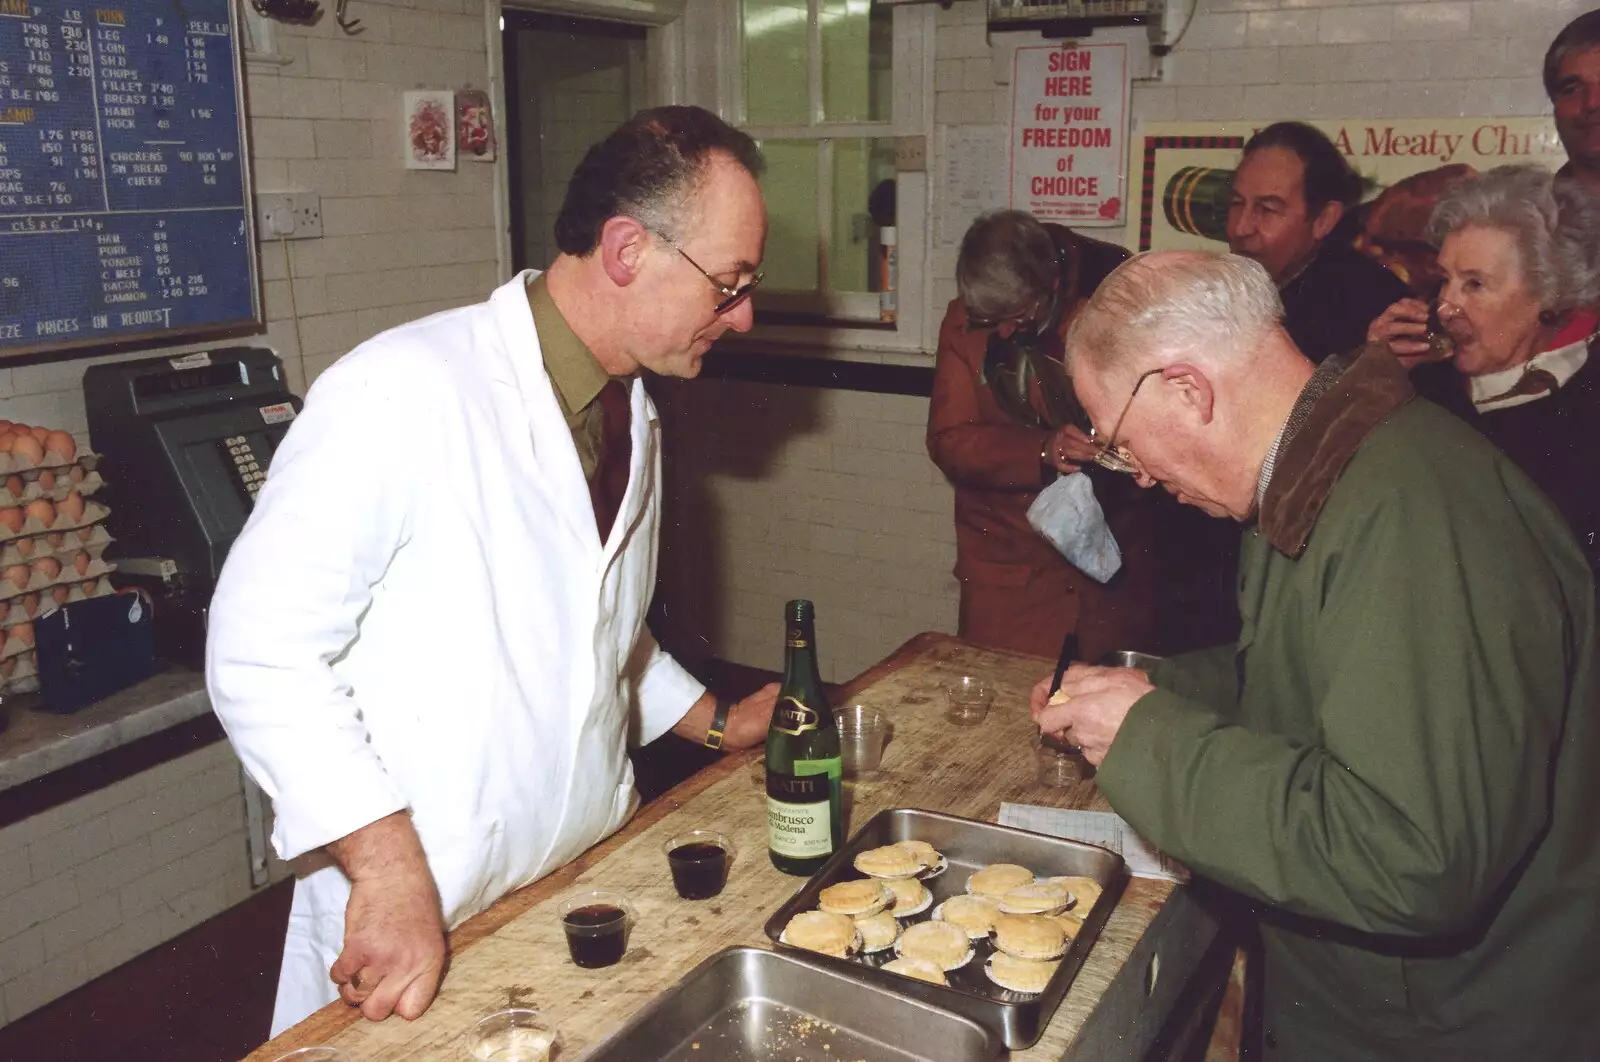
(699, 861)
(597, 925)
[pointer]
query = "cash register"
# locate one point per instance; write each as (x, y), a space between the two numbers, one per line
(185, 442)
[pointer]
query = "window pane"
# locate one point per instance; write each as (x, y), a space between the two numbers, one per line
(857, 54)
(863, 200)
(790, 186)
(775, 66)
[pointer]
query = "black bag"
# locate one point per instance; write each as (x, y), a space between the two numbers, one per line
(90, 649)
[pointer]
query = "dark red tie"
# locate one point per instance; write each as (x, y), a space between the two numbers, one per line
(610, 480)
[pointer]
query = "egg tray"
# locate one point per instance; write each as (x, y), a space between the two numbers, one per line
(72, 542)
(1020, 1019)
(89, 485)
(13, 646)
(93, 513)
(54, 462)
(12, 605)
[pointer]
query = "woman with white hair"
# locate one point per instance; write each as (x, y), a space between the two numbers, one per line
(1517, 323)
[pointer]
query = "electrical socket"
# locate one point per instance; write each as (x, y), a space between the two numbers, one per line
(295, 215)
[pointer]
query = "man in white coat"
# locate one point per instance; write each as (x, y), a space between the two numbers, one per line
(428, 645)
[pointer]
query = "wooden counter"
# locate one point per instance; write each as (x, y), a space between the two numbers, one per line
(514, 954)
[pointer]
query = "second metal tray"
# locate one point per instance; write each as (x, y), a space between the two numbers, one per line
(749, 1005)
(969, 845)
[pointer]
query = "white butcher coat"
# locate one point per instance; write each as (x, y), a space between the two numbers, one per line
(420, 614)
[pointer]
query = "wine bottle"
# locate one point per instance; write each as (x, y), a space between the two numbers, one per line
(805, 822)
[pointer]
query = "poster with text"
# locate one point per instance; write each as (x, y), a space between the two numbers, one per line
(1183, 171)
(1069, 132)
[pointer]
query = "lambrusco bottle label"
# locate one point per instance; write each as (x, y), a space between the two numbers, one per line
(800, 809)
(791, 716)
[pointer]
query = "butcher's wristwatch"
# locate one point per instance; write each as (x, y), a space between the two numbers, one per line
(719, 724)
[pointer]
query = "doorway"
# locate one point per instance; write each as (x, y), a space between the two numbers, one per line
(569, 82)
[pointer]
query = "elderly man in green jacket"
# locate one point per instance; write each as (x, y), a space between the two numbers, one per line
(1400, 759)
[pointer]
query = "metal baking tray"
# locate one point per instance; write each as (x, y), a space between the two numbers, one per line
(750, 1005)
(969, 845)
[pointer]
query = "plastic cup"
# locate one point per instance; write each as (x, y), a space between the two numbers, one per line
(597, 925)
(512, 1036)
(862, 732)
(1057, 768)
(317, 1054)
(967, 701)
(699, 860)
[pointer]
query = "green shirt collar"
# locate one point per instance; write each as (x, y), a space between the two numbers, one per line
(573, 368)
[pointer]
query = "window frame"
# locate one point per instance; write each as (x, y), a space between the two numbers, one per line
(834, 319)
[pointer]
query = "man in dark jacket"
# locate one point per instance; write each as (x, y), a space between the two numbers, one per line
(1291, 190)
(1400, 759)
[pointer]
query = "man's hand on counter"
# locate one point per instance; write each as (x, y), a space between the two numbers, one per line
(394, 938)
(747, 723)
(1097, 700)
(747, 720)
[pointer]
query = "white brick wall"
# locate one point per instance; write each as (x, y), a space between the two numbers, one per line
(872, 540)
(89, 884)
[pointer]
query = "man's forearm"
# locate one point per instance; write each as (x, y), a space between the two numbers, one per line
(387, 848)
(697, 720)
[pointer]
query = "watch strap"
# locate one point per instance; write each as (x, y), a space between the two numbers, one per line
(719, 724)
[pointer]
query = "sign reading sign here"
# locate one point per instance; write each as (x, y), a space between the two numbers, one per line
(1069, 132)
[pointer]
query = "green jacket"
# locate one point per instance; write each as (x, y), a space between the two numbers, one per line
(1400, 760)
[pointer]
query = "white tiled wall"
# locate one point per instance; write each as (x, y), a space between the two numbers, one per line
(877, 584)
(89, 884)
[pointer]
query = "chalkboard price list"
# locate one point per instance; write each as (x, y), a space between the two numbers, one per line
(122, 192)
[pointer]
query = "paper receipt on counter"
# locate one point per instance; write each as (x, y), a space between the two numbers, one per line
(1104, 828)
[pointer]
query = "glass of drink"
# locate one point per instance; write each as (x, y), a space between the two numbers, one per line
(699, 860)
(862, 731)
(967, 701)
(515, 1035)
(597, 925)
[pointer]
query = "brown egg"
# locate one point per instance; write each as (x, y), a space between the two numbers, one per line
(55, 539)
(47, 480)
(22, 632)
(5, 425)
(86, 533)
(72, 507)
(76, 473)
(27, 451)
(60, 443)
(30, 604)
(59, 594)
(19, 574)
(8, 439)
(89, 587)
(15, 485)
(12, 519)
(26, 546)
(40, 433)
(42, 510)
(48, 567)
(80, 562)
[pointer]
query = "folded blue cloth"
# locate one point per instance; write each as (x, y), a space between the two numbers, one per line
(1067, 514)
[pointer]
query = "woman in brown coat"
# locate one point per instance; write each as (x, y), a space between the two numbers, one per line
(1021, 280)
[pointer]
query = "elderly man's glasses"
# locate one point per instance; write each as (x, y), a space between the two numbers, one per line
(1023, 319)
(731, 297)
(1110, 455)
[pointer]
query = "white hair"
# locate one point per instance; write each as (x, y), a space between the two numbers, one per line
(1165, 305)
(1555, 224)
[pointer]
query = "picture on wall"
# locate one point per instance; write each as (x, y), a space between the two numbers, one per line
(1182, 175)
(474, 126)
(430, 130)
